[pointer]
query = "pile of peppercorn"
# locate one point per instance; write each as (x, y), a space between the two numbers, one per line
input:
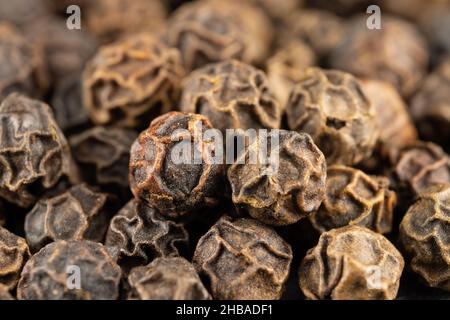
(93, 206)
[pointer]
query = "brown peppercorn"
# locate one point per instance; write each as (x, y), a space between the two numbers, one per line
(424, 235)
(165, 180)
(331, 106)
(382, 54)
(4, 293)
(77, 214)
(354, 198)
(14, 253)
(103, 154)
(171, 278)
(131, 81)
(232, 95)
(285, 68)
(217, 30)
(46, 276)
(243, 259)
(430, 106)
(284, 187)
(138, 234)
(22, 66)
(351, 263)
(34, 154)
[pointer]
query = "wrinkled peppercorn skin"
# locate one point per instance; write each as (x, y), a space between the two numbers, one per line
(331, 106)
(157, 178)
(44, 276)
(171, 278)
(354, 198)
(425, 239)
(34, 154)
(129, 82)
(243, 259)
(341, 266)
(284, 194)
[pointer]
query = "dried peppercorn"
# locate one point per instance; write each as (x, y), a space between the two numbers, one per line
(331, 106)
(34, 154)
(176, 183)
(351, 263)
(77, 214)
(217, 30)
(243, 259)
(4, 293)
(46, 276)
(131, 81)
(138, 234)
(285, 186)
(430, 105)
(375, 53)
(103, 154)
(14, 253)
(354, 198)
(425, 238)
(231, 94)
(171, 278)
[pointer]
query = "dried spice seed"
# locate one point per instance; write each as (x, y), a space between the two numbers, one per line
(129, 82)
(331, 106)
(354, 198)
(45, 275)
(138, 234)
(34, 154)
(243, 259)
(157, 178)
(14, 253)
(77, 214)
(351, 263)
(232, 95)
(287, 187)
(425, 236)
(171, 278)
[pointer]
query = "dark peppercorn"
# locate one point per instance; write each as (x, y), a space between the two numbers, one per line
(46, 275)
(424, 235)
(232, 95)
(34, 154)
(243, 259)
(171, 278)
(351, 263)
(131, 81)
(156, 176)
(331, 106)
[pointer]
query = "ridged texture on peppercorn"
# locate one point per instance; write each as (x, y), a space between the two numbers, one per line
(138, 234)
(171, 278)
(351, 263)
(131, 81)
(14, 253)
(430, 106)
(112, 19)
(425, 236)
(5, 294)
(420, 166)
(34, 154)
(285, 68)
(243, 259)
(77, 214)
(354, 198)
(171, 170)
(232, 95)
(331, 106)
(22, 66)
(50, 273)
(22, 12)
(215, 30)
(283, 186)
(382, 54)
(103, 154)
